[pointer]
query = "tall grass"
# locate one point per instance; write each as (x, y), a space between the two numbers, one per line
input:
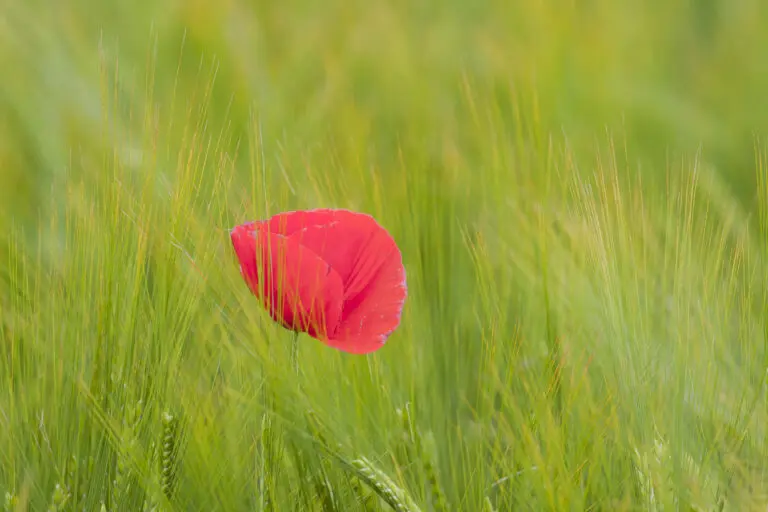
(586, 320)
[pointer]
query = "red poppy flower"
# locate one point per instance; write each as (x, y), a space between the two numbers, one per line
(335, 274)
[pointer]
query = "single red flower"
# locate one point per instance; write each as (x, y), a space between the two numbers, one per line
(335, 274)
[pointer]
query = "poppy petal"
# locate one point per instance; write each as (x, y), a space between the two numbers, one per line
(360, 283)
(341, 237)
(370, 265)
(374, 312)
(298, 288)
(288, 223)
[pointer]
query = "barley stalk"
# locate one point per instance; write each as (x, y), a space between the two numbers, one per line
(267, 442)
(377, 480)
(168, 455)
(121, 483)
(439, 501)
(323, 487)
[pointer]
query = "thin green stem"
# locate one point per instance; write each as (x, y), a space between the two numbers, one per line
(295, 352)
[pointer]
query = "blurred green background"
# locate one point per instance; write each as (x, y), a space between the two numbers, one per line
(575, 186)
(673, 76)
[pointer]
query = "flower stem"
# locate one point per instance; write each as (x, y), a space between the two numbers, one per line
(295, 352)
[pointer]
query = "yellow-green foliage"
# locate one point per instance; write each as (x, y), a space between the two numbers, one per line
(579, 190)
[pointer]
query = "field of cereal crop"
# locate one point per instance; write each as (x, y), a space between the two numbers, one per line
(579, 191)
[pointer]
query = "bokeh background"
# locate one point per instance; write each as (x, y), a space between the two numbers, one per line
(671, 76)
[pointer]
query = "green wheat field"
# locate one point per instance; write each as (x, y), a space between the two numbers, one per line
(579, 191)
